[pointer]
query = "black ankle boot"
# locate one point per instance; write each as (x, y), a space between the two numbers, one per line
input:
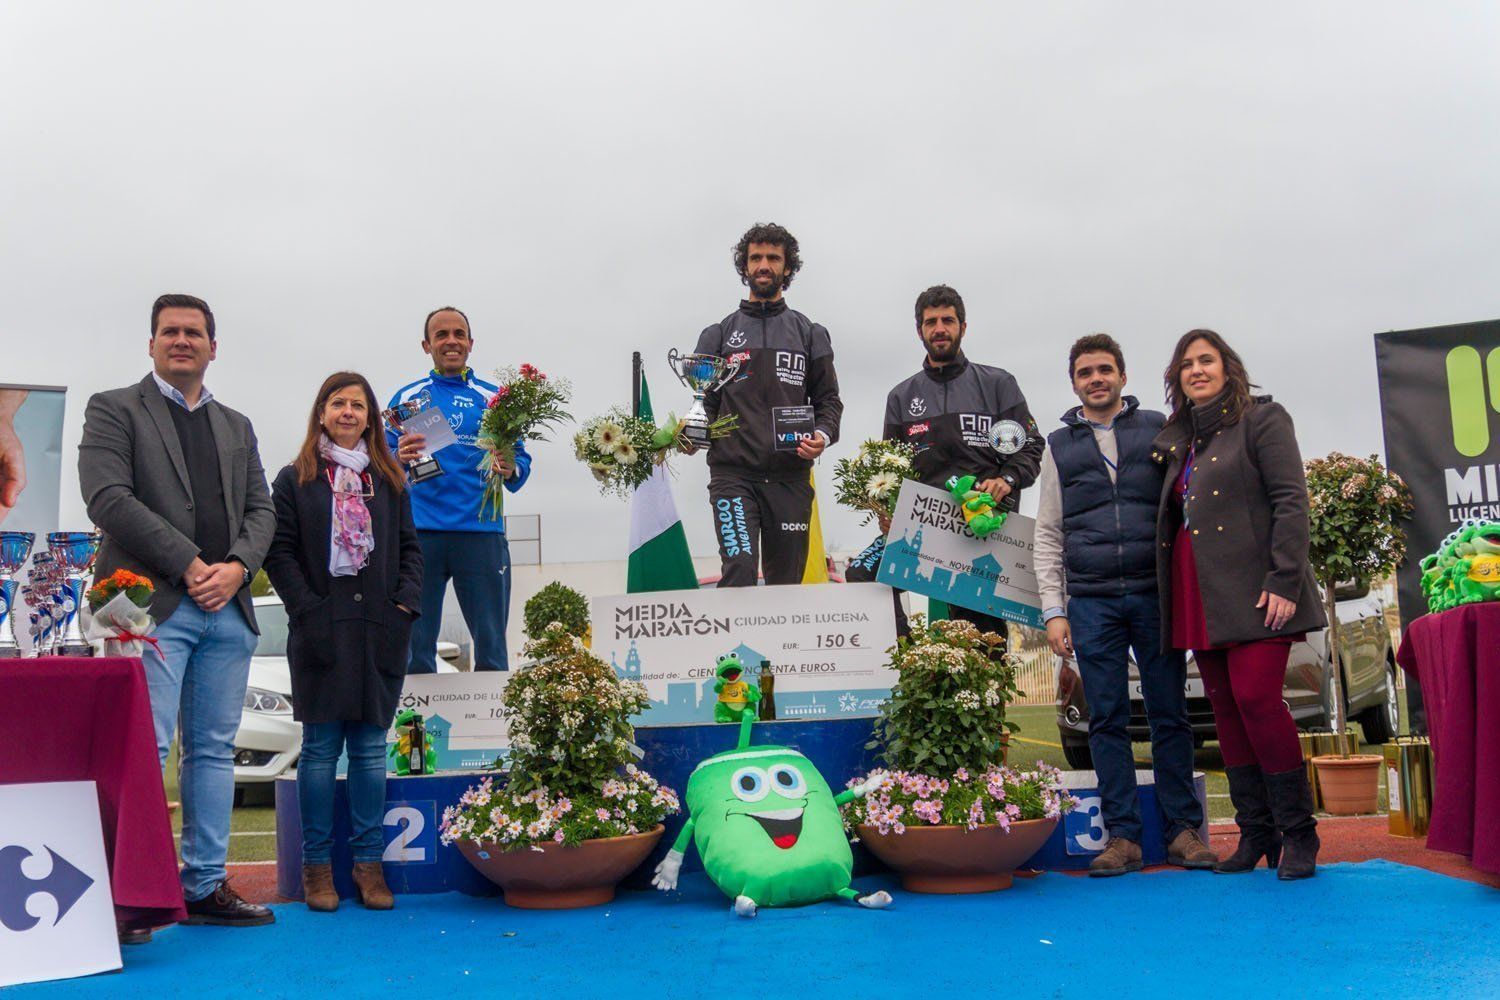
(1292, 806)
(1252, 813)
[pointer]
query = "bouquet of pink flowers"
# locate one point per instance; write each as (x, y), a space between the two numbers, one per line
(524, 405)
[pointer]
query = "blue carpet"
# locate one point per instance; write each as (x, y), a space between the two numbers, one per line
(1374, 929)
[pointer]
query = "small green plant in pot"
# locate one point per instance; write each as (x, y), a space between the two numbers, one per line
(575, 814)
(952, 815)
(1356, 510)
(559, 603)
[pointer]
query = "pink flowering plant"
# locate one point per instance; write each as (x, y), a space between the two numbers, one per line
(944, 734)
(525, 404)
(572, 775)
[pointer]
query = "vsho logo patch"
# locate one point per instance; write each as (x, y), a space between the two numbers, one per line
(975, 428)
(791, 367)
(917, 406)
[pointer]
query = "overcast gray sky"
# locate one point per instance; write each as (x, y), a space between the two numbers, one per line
(1296, 176)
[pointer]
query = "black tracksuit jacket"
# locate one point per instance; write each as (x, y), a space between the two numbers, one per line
(785, 360)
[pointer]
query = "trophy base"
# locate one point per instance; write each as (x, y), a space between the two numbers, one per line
(11, 652)
(74, 649)
(697, 435)
(423, 470)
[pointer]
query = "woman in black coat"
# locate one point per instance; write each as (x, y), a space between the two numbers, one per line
(346, 563)
(1236, 587)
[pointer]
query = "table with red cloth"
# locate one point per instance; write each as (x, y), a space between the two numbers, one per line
(89, 719)
(1455, 656)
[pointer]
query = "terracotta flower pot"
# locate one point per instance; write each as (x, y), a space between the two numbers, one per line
(558, 877)
(1349, 785)
(954, 859)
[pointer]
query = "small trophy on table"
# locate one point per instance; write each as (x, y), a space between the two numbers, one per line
(425, 466)
(15, 549)
(73, 552)
(702, 373)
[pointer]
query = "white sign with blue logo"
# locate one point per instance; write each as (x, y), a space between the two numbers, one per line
(930, 551)
(57, 915)
(826, 646)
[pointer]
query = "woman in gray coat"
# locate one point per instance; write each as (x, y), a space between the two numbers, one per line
(1237, 588)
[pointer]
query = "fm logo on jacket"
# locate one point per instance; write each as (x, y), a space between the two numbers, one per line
(791, 367)
(975, 428)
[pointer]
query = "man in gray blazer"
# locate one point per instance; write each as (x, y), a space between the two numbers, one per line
(173, 479)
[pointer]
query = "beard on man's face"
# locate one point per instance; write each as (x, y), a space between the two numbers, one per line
(944, 352)
(765, 284)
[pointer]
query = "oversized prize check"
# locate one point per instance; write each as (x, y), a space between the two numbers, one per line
(461, 713)
(826, 645)
(930, 551)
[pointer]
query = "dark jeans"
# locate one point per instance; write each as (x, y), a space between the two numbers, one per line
(762, 528)
(478, 562)
(317, 777)
(1105, 631)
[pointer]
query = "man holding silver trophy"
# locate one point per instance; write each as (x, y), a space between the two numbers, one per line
(964, 419)
(778, 379)
(446, 488)
(174, 481)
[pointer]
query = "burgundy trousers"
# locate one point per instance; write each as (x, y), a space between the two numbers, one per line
(1244, 684)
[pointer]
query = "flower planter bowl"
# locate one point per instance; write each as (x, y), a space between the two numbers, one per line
(557, 877)
(955, 859)
(1349, 785)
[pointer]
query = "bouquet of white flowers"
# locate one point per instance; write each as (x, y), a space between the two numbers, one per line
(871, 479)
(622, 451)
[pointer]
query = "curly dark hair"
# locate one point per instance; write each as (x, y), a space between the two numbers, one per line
(1095, 343)
(937, 297)
(1237, 385)
(768, 232)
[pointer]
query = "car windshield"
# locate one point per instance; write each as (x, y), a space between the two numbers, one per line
(272, 621)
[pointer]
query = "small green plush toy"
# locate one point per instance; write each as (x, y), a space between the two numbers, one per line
(411, 745)
(737, 696)
(768, 828)
(1465, 569)
(980, 512)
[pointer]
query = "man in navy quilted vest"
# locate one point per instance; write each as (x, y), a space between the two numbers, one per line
(1096, 568)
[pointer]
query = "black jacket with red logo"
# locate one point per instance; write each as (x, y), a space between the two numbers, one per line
(785, 360)
(946, 414)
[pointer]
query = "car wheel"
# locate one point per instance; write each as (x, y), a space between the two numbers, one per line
(1381, 722)
(1079, 756)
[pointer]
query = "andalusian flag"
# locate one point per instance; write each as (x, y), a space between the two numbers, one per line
(659, 554)
(816, 570)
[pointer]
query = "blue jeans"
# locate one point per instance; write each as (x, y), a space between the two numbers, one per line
(1105, 631)
(200, 675)
(317, 777)
(478, 562)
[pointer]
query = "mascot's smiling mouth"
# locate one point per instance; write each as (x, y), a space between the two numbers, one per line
(783, 826)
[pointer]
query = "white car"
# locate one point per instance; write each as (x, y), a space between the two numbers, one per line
(269, 739)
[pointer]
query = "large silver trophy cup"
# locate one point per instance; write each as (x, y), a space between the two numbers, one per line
(425, 466)
(702, 373)
(15, 549)
(74, 552)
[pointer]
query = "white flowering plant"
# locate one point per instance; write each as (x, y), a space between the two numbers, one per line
(572, 775)
(870, 480)
(947, 708)
(996, 796)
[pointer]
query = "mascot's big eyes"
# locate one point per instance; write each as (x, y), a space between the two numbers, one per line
(749, 784)
(787, 780)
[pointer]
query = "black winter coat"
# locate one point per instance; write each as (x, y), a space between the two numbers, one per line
(347, 644)
(1247, 508)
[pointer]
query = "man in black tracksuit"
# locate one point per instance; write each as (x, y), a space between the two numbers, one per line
(786, 395)
(946, 412)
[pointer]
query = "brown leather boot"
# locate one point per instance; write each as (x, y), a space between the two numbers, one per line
(369, 879)
(317, 888)
(1187, 850)
(1118, 857)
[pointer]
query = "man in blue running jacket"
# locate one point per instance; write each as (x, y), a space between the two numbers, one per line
(456, 543)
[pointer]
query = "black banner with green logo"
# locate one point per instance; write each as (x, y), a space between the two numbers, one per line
(1440, 405)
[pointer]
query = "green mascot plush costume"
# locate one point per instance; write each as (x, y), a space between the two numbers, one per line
(768, 829)
(981, 515)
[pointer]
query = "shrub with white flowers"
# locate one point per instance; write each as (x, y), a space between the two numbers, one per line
(572, 775)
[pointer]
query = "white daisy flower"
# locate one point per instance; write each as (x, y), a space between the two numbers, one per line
(608, 436)
(881, 484)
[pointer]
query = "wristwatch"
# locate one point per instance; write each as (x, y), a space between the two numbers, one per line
(1009, 477)
(248, 575)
